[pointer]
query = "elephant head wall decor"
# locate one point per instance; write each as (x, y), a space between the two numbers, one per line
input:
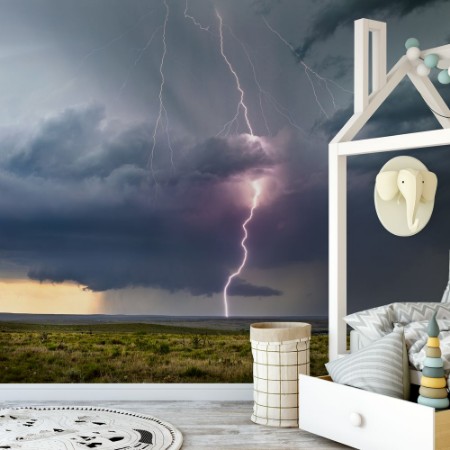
(404, 195)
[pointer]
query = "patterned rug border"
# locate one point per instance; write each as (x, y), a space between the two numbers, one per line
(177, 436)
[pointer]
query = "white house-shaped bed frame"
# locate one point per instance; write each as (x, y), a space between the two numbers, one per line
(365, 104)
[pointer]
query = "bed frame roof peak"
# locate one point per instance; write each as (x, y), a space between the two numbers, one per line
(366, 102)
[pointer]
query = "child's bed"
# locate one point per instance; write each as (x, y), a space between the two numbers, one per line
(370, 65)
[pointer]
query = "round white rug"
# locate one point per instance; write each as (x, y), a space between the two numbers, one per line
(83, 427)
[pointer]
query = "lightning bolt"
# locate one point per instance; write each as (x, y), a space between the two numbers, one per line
(241, 103)
(241, 106)
(136, 62)
(309, 71)
(256, 194)
(242, 111)
(283, 111)
(162, 113)
(193, 19)
(262, 93)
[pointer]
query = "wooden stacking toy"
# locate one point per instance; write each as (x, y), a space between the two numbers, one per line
(433, 386)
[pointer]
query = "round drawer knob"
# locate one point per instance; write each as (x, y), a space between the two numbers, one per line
(355, 419)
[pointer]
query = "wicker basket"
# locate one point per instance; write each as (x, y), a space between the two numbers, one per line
(280, 353)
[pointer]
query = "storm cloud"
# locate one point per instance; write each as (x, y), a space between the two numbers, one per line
(243, 288)
(343, 14)
(85, 200)
(88, 209)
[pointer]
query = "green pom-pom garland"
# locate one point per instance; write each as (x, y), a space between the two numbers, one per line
(430, 61)
(444, 77)
(411, 42)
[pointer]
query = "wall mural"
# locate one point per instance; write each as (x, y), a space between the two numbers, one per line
(163, 171)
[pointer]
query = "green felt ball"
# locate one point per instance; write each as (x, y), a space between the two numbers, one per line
(411, 42)
(431, 60)
(444, 77)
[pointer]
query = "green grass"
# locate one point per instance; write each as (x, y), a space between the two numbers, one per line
(130, 353)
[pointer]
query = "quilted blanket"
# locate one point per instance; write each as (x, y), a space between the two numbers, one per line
(416, 340)
(413, 317)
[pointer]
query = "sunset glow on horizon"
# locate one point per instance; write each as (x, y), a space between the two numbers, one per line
(34, 297)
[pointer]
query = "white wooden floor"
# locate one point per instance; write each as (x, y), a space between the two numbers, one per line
(217, 425)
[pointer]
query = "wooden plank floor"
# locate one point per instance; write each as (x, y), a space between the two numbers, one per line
(217, 425)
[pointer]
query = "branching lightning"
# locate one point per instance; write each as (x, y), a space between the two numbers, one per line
(241, 103)
(241, 115)
(146, 46)
(136, 61)
(242, 107)
(227, 128)
(308, 71)
(193, 19)
(162, 113)
(262, 93)
(256, 194)
(283, 111)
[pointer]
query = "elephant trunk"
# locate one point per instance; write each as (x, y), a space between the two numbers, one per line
(412, 203)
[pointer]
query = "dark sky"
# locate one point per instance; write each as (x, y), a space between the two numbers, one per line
(99, 189)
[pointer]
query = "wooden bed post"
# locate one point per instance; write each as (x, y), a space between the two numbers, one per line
(337, 253)
(337, 167)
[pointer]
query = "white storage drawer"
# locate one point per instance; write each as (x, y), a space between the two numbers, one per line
(369, 421)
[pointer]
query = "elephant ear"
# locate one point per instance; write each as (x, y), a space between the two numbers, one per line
(429, 185)
(386, 184)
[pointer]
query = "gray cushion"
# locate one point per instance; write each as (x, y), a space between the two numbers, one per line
(382, 367)
(372, 323)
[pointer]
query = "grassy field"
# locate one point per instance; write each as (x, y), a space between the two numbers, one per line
(130, 353)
